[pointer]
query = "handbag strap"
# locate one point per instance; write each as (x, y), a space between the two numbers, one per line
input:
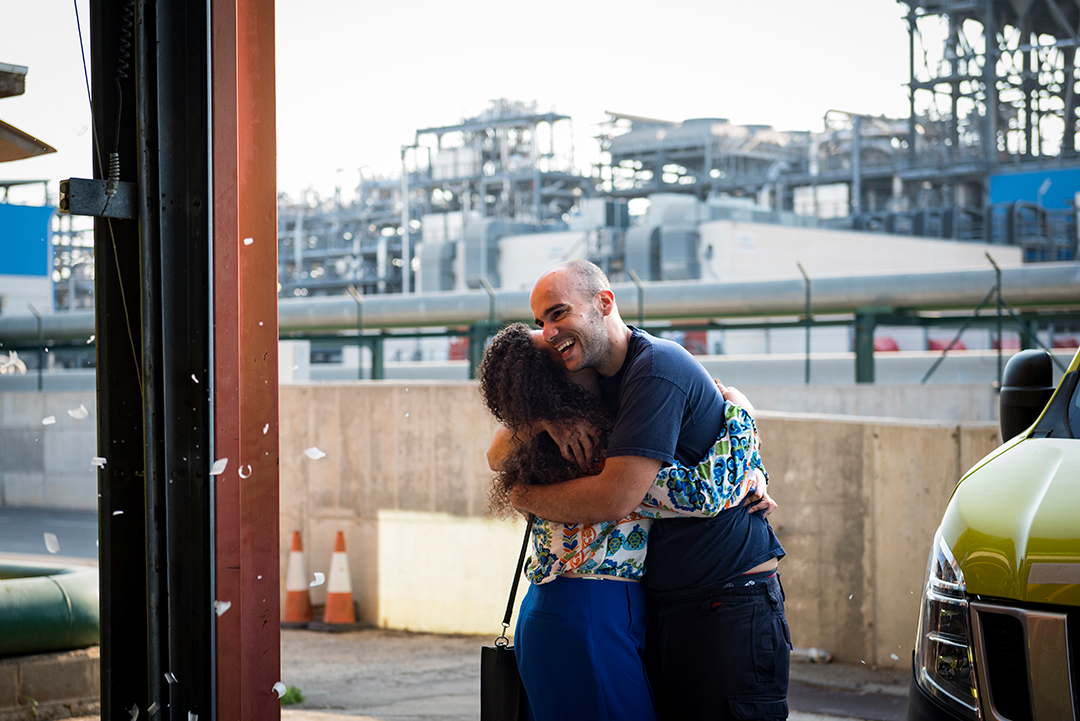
(513, 586)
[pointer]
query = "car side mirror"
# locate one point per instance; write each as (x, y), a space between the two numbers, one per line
(1026, 386)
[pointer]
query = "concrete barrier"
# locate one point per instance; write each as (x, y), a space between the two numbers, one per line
(405, 477)
(48, 465)
(860, 500)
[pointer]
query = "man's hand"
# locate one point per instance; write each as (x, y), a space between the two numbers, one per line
(577, 441)
(757, 499)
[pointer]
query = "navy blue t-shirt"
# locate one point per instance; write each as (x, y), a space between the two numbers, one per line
(667, 407)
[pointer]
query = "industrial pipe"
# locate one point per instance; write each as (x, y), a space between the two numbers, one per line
(1044, 284)
(47, 607)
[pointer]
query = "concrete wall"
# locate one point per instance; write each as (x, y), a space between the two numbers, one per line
(48, 465)
(859, 503)
(954, 402)
(405, 478)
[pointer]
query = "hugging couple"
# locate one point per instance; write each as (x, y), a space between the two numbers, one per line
(625, 450)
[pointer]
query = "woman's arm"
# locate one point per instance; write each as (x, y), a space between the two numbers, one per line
(576, 440)
(722, 480)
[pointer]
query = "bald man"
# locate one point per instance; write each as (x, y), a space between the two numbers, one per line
(718, 642)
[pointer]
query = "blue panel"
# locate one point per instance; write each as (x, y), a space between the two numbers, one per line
(1063, 186)
(25, 240)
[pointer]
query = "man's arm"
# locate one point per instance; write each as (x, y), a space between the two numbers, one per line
(611, 495)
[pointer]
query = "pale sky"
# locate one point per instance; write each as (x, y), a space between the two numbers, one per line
(356, 79)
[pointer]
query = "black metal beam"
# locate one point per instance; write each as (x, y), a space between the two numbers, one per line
(178, 155)
(153, 324)
(122, 538)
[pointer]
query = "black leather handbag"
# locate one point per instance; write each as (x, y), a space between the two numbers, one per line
(502, 697)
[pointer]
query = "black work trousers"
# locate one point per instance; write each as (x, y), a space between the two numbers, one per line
(722, 654)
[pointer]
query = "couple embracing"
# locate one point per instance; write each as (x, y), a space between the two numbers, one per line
(654, 589)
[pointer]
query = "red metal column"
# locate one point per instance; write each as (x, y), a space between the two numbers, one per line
(245, 359)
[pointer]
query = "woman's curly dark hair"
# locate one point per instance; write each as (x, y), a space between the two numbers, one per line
(522, 384)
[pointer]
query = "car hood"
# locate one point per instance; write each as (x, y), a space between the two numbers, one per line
(1014, 523)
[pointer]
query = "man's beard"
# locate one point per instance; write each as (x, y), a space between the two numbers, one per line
(595, 346)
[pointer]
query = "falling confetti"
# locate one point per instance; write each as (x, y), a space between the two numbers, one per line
(320, 579)
(79, 413)
(170, 677)
(134, 711)
(894, 657)
(219, 466)
(850, 596)
(52, 545)
(248, 241)
(152, 710)
(314, 453)
(266, 428)
(406, 415)
(259, 578)
(118, 513)
(244, 474)
(48, 421)
(194, 378)
(260, 322)
(279, 689)
(98, 461)
(90, 340)
(220, 607)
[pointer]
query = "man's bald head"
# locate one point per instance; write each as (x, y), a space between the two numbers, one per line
(584, 277)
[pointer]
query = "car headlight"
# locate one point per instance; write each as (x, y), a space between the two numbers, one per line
(943, 655)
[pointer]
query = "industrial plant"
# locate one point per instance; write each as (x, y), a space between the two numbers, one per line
(987, 155)
(983, 172)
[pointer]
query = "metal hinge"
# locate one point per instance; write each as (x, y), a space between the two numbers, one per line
(98, 198)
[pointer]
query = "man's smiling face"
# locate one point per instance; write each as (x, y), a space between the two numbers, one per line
(571, 323)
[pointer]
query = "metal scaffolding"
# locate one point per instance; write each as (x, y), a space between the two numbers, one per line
(507, 170)
(992, 91)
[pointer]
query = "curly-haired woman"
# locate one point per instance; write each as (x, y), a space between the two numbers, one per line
(581, 629)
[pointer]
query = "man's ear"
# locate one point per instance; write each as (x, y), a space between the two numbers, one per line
(605, 302)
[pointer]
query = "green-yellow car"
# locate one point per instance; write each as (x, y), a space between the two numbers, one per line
(999, 629)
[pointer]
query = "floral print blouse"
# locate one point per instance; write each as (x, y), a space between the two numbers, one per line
(617, 548)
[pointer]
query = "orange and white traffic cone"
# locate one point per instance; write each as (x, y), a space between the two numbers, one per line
(340, 614)
(297, 598)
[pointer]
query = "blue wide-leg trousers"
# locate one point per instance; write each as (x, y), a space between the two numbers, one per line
(580, 646)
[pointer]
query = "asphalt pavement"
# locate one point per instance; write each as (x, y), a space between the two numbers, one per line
(386, 675)
(400, 676)
(23, 529)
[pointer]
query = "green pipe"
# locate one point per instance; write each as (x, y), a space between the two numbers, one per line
(47, 607)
